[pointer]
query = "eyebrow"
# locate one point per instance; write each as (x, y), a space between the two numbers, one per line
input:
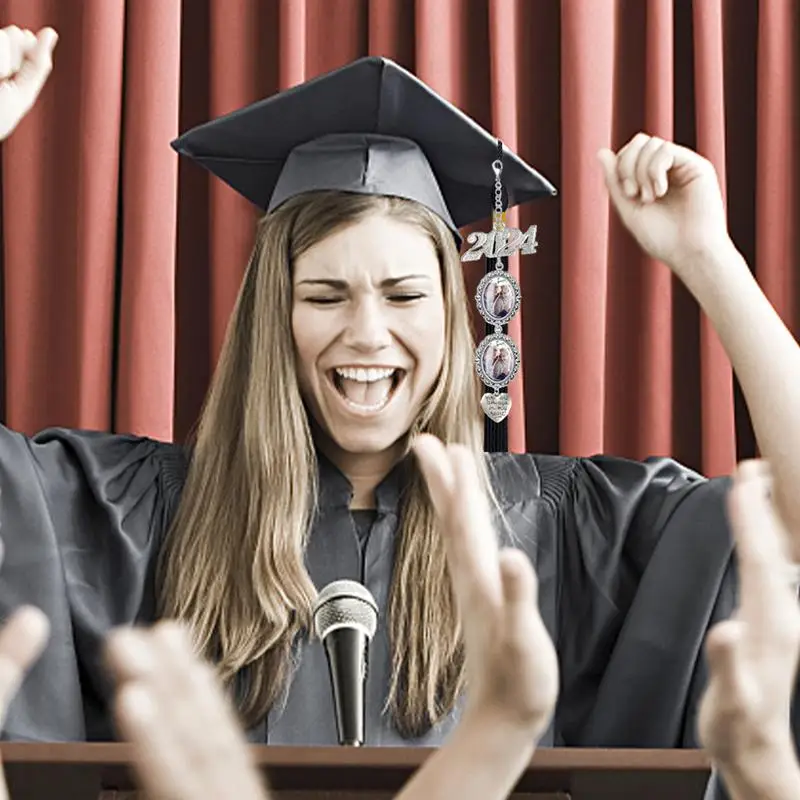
(342, 285)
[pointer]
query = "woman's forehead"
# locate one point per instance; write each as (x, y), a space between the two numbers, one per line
(377, 248)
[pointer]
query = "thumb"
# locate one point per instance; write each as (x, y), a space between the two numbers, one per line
(608, 161)
(520, 586)
(437, 471)
(42, 53)
(722, 653)
(520, 592)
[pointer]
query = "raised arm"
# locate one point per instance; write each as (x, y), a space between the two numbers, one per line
(669, 199)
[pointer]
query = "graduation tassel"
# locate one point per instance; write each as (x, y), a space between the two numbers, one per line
(495, 434)
(498, 298)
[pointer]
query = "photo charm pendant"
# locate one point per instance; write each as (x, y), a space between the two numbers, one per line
(497, 360)
(498, 297)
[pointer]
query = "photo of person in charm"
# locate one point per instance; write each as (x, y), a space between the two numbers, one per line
(503, 300)
(498, 361)
(498, 298)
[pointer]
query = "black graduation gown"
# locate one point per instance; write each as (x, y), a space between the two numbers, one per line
(634, 562)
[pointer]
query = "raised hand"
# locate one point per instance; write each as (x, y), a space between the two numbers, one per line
(22, 639)
(668, 197)
(744, 719)
(26, 60)
(512, 669)
(187, 741)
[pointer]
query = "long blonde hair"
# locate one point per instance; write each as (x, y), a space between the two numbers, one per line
(232, 567)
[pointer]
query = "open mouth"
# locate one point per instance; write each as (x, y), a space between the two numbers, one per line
(366, 389)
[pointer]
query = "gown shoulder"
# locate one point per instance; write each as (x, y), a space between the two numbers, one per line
(636, 563)
(82, 515)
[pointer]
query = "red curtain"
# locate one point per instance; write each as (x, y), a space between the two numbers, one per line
(120, 265)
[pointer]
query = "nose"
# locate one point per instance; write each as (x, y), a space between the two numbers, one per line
(368, 327)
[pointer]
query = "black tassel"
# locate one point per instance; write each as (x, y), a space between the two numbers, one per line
(495, 434)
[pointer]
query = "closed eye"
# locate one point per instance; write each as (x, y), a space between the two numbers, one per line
(393, 298)
(405, 298)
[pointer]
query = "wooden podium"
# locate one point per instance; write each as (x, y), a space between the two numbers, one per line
(91, 771)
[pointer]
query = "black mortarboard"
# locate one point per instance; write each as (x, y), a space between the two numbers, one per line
(370, 127)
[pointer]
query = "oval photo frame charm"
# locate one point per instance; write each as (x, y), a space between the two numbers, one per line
(497, 360)
(498, 297)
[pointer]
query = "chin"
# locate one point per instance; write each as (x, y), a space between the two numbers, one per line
(365, 442)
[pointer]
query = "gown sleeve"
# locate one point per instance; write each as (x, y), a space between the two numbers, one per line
(81, 517)
(647, 569)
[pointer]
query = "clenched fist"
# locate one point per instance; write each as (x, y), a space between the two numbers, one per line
(26, 60)
(669, 198)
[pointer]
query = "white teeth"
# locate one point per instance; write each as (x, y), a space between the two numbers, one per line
(361, 375)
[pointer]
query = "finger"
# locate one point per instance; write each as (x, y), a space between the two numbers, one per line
(722, 647)
(12, 51)
(129, 655)
(5, 56)
(627, 159)
(642, 169)
(520, 596)
(520, 585)
(520, 589)
(437, 471)
(160, 759)
(16, 39)
(174, 680)
(46, 39)
(527, 637)
(150, 714)
(36, 68)
(472, 542)
(659, 167)
(203, 718)
(469, 541)
(761, 545)
(22, 640)
(608, 162)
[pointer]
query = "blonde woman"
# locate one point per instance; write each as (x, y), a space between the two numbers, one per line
(350, 337)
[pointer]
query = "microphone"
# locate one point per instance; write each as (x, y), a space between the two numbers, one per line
(345, 619)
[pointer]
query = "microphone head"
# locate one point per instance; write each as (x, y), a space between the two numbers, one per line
(345, 604)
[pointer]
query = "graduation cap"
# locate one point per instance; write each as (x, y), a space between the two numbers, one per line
(370, 127)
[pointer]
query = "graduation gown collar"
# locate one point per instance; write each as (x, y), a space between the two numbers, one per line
(336, 491)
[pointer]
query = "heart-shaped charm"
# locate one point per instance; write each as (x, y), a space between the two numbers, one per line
(496, 406)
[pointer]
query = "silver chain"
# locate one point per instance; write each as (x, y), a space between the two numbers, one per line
(497, 166)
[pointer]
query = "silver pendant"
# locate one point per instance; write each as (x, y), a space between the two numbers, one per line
(496, 406)
(497, 360)
(498, 297)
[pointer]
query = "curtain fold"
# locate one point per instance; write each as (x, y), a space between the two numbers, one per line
(147, 232)
(120, 265)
